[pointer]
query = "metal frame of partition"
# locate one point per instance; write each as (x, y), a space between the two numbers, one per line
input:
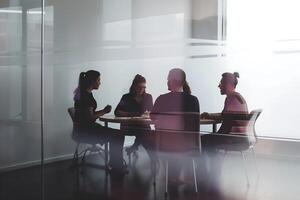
(42, 96)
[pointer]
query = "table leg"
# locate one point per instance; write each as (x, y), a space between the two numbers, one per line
(106, 148)
(214, 128)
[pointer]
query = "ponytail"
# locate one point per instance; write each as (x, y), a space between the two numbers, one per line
(80, 87)
(179, 76)
(82, 81)
(186, 88)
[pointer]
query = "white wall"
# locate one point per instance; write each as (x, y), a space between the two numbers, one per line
(265, 48)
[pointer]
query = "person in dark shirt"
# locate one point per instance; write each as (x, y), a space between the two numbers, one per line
(136, 103)
(86, 114)
(178, 100)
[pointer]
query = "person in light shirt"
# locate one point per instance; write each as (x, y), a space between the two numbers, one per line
(233, 130)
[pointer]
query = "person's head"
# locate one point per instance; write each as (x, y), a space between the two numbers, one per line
(138, 86)
(228, 82)
(177, 81)
(89, 80)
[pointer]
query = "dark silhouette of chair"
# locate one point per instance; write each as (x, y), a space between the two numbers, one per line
(93, 146)
(250, 134)
(177, 134)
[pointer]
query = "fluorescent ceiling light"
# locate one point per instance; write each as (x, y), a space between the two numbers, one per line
(11, 11)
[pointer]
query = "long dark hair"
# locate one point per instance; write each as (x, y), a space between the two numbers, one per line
(180, 76)
(137, 80)
(86, 79)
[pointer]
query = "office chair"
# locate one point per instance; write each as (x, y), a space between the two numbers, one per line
(93, 146)
(252, 138)
(177, 134)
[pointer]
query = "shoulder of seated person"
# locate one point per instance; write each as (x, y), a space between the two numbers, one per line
(235, 94)
(194, 97)
(191, 96)
(164, 95)
(127, 95)
(236, 97)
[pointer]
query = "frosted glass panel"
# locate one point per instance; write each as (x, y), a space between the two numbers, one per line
(265, 48)
(20, 97)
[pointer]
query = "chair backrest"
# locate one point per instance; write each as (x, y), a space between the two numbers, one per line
(177, 132)
(184, 121)
(77, 131)
(247, 124)
(71, 112)
(251, 125)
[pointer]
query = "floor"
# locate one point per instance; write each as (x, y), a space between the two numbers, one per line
(277, 178)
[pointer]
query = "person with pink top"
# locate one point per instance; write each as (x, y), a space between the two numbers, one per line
(233, 129)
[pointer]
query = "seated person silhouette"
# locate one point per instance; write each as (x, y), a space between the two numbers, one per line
(178, 100)
(234, 105)
(135, 104)
(86, 114)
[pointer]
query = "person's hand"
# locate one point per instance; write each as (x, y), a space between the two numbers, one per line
(107, 109)
(204, 115)
(146, 114)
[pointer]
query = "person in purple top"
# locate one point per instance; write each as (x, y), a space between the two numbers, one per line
(234, 104)
(232, 131)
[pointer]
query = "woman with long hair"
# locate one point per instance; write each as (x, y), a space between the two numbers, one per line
(134, 104)
(86, 114)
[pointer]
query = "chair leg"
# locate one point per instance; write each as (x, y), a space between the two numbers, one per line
(153, 170)
(195, 176)
(255, 161)
(75, 157)
(106, 154)
(83, 157)
(129, 160)
(167, 178)
(245, 168)
(76, 152)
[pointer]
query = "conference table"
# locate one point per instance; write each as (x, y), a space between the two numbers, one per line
(146, 121)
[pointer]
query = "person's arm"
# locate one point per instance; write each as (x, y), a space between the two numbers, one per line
(197, 105)
(93, 115)
(122, 107)
(215, 116)
(156, 108)
(148, 105)
(120, 113)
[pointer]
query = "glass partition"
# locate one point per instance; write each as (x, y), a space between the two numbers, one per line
(122, 38)
(20, 99)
